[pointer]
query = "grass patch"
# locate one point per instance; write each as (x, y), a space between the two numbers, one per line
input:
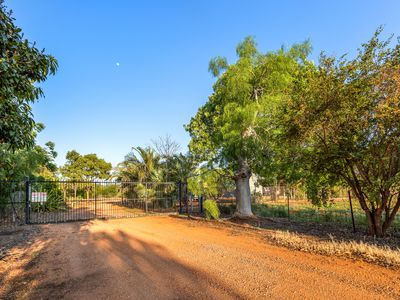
(303, 211)
(381, 255)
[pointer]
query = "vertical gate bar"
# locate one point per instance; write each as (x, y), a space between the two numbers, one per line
(95, 201)
(27, 197)
(145, 196)
(201, 204)
(186, 198)
(180, 196)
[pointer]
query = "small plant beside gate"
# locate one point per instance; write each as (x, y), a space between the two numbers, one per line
(211, 209)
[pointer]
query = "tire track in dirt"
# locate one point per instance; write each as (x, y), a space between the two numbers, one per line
(170, 258)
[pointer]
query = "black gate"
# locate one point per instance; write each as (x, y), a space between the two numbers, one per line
(33, 202)
(12, 202)
(188, 202)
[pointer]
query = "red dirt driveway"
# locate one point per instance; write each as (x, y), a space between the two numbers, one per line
(166, 257)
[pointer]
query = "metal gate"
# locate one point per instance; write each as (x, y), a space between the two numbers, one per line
(188, 202)
(34, 202)
(38, 201)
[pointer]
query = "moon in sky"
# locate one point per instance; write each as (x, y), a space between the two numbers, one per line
(117, 64)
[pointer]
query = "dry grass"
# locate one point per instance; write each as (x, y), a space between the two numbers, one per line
(382, 255)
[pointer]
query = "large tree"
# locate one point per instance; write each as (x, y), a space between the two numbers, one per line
(232, 129)
(22, 67)
(344, 117)
(87, 167)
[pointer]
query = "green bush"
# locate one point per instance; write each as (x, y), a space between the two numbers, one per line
(227, 209)
(211, 209)
(55, 200)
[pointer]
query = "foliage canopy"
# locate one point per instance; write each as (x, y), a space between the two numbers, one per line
(22, 67)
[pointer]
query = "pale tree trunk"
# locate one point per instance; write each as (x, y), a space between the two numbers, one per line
(243, 196)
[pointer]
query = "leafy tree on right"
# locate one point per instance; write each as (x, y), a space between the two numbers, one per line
(343, 119)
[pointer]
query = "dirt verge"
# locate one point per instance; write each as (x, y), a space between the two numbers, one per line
(171, 258)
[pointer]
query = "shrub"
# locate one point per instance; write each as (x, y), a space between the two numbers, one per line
(211, 209)
(227, 209)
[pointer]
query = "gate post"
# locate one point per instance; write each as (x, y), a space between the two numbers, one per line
(201, 203)
(187, 198)
(27, 200)
(180, 196)
(145, 203)
(95, 201)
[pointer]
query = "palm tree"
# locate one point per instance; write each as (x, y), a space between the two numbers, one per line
(182, 167)
(142, 164)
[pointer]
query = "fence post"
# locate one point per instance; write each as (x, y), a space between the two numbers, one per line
(201, 203)
(180, 196)
(27, 198)
(145, 200)
(191, 202)
(95, 201)
(352, 214)
(187, 199)
(288, 207)
(122, 193)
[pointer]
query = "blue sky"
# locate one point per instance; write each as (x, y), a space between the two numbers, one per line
(163, 49)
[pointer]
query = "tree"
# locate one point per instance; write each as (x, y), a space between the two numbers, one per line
(22, 67)
(182, 167)
(87, 167)
(209, 183)
(141, 166)
(232, 129)
(166, 148)
(37, 162)
(344, 118)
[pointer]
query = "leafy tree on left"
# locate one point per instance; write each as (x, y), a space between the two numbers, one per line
(37, 163)
(22, 67)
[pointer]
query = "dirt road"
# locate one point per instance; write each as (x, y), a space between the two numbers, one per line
(172, 258)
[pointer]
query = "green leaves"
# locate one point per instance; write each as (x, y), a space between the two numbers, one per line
(344, 116)
(142, 164)
(236, 120)
(37, 162)
(85, 167)
(216, 65)
(22, 66)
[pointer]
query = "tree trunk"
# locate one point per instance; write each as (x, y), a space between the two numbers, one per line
(243, 196)
(374, 219)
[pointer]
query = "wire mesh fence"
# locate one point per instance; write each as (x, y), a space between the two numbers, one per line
(285, 202)
(62, 201)
(12, 202)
